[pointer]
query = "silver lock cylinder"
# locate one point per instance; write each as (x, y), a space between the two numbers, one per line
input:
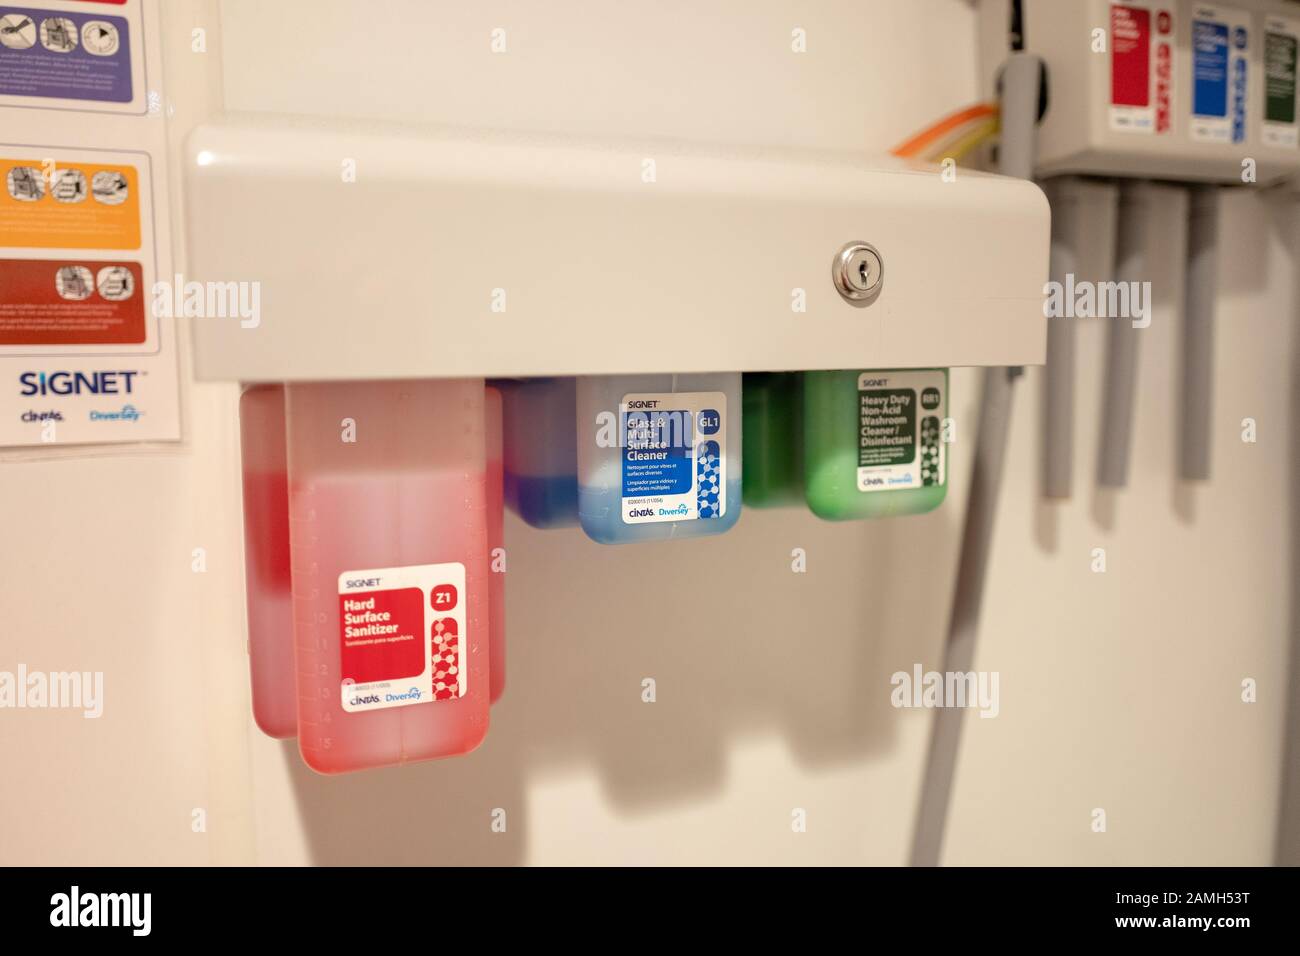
(858, 272)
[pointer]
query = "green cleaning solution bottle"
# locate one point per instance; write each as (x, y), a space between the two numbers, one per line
(874, 442)
(773, 429)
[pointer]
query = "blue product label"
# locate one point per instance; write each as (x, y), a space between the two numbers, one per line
(673, 451)
(64, 55)
(1239, 95)
(1220, 74)
(1209, 68)
(657, 452)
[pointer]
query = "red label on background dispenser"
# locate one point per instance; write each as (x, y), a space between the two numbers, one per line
(1130, 62)
(1164, 86)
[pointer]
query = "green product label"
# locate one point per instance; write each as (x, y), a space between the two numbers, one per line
(1279, 78)
(887, 435)
(899, 417)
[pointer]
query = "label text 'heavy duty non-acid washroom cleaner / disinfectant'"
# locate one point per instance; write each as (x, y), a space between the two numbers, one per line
(388, 536)
(658, 455)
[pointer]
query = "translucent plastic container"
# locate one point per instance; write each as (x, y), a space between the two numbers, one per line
(388, 529)
(873, 442)
(658, 455)
(541, 450)
(773, 427)
(266, 560)
(496, 545)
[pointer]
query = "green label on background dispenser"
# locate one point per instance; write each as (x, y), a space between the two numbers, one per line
(1280, 47)
(1279, 78)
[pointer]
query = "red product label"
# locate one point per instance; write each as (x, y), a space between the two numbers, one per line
(1164, 85)
(71, 302)
(1130, 56)
(383, 635)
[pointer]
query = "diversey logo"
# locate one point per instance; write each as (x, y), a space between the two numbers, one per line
(412, 694)
(679, 510)
(128, 413)
(77, 383)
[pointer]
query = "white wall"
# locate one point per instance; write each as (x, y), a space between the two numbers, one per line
(1118, 691)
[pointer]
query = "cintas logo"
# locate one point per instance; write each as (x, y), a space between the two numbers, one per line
(120, 382)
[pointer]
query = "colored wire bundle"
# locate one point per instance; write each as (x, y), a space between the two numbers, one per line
(953, 137)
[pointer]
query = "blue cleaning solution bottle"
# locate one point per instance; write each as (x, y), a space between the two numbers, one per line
(658, 455)
(541, 450)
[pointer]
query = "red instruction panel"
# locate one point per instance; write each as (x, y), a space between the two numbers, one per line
(71, 302)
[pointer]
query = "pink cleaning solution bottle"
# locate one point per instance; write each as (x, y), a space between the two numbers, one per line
(496, 542)
(266, 560)
(388, 529)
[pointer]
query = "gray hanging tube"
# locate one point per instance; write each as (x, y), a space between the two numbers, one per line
(1083, 217)
(1198, 333)
(1120, 387)
(1058, 375)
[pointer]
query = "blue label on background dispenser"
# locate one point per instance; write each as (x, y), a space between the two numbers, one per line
(1239, 87)
(1220, 74)
(1209, 68)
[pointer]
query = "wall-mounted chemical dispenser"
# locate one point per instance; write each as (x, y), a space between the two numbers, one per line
(1168, 89)
(614, 293)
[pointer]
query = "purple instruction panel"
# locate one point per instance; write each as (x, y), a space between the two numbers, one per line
(70, 56)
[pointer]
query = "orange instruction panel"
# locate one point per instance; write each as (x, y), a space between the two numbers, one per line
(50, 205)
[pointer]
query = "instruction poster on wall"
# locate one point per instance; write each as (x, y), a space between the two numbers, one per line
(83, 357)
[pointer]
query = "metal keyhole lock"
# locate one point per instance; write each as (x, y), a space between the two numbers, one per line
(858, 272)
